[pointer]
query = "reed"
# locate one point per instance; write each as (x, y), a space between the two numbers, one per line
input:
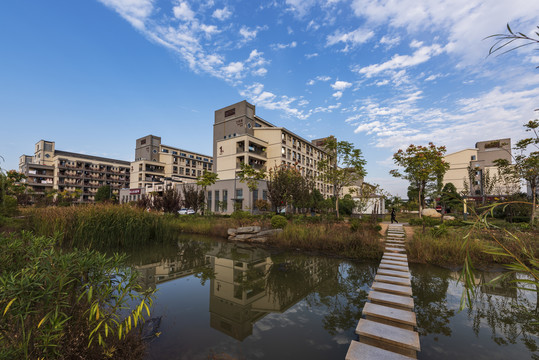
(331, 238)
(101, 226)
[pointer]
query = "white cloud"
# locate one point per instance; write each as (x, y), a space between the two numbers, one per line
(421, 55)
(222, 14)
(300, 7)
(293, 44)
(352, 38)
(432, 77)
(341, 85)
(416, 44)
(337, 95)
(382, 82)
(182, 11)
(389, 42)
(134, 11)
(323, 78)
(309, 56)
(464, 22)
(234, 68)
(256, 94)
(311, 82)
(248, 34)
(209, 29)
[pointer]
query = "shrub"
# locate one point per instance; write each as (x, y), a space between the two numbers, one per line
(355, 225)
(66, 305)
(240, 215)
(424, 221)
(378, 228)
(278, 222)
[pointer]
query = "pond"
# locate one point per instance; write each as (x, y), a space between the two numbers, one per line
(234, 301)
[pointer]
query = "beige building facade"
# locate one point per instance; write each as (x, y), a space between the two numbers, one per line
(241, 137)
(50, 169)
(474, 172)
(154, 163)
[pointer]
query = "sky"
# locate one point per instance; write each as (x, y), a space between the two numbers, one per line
(94, 76)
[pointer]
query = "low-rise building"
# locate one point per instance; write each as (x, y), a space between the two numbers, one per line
(474, 172)
(50, 169)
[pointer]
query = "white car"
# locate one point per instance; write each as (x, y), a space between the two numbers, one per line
(186, 211)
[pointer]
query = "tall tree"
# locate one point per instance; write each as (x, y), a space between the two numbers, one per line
(422, 165)
(250, 176)
(286, 186)
(192, 198)
(344, 167)
(526, 166)
(207, 179)
(104, 193)
(169, 202)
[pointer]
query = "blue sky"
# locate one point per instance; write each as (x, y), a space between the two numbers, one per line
(95, 75)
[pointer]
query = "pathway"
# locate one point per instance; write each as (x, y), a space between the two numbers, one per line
(387, 331)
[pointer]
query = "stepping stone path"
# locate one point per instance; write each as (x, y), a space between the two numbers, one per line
(388, 329)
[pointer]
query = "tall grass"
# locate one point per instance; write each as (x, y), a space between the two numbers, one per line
(101, 226)
(331, 238)
(447, 247)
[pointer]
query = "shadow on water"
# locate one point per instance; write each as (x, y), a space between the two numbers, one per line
(234, 301)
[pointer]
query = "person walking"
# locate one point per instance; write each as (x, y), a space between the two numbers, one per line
(393, 216)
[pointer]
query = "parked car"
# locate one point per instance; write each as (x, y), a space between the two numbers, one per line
(186, 211)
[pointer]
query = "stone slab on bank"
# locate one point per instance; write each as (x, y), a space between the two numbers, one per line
(394, 249)
(359, 351)
(392, 335)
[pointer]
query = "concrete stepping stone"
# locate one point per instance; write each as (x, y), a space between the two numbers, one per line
(388, 313)
(393, 335)
(393, 244)
(391, 299)
(397, 255)
(392, 258)
(393, 280)
(393, 289)
(394, 267)
(400, 274)
(360, 351)
(394, 262)
(394, 249)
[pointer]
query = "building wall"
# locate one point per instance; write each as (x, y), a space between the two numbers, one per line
(66, 171)
(155, 162)
(458, 170)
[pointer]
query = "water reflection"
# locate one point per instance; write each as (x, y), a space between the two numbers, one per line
(259, 300)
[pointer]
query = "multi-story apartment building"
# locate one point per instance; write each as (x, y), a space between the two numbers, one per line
(471, 169)
(155, 163)
(240, 136)
(66, 171)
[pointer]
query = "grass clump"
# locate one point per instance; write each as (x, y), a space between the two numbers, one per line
(64, 305)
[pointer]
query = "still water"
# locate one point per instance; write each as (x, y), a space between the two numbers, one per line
(234, 301)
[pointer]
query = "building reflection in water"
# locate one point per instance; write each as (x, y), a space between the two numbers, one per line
(246, 283)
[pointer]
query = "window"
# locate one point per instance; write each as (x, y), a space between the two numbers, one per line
(255, 198)
(175, 169)
(182, 154)
(155, 151)
(216, 208)
(225, 200)
(143, 141)
(230, 112)
(165, 150)
(473, 157)
(174, 153)
(191, 156)
(209, 200)
(264, 195)
(239, 193)
(249, 125)
(181, 171)
(283, 151)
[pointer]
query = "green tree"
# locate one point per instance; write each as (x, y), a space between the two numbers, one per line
(286, 186)
(104, 193)
(422, 166)
(207, 179)
(526, 166)
(192, 197)
(450, 198)
(345, 166)
(250, 176)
